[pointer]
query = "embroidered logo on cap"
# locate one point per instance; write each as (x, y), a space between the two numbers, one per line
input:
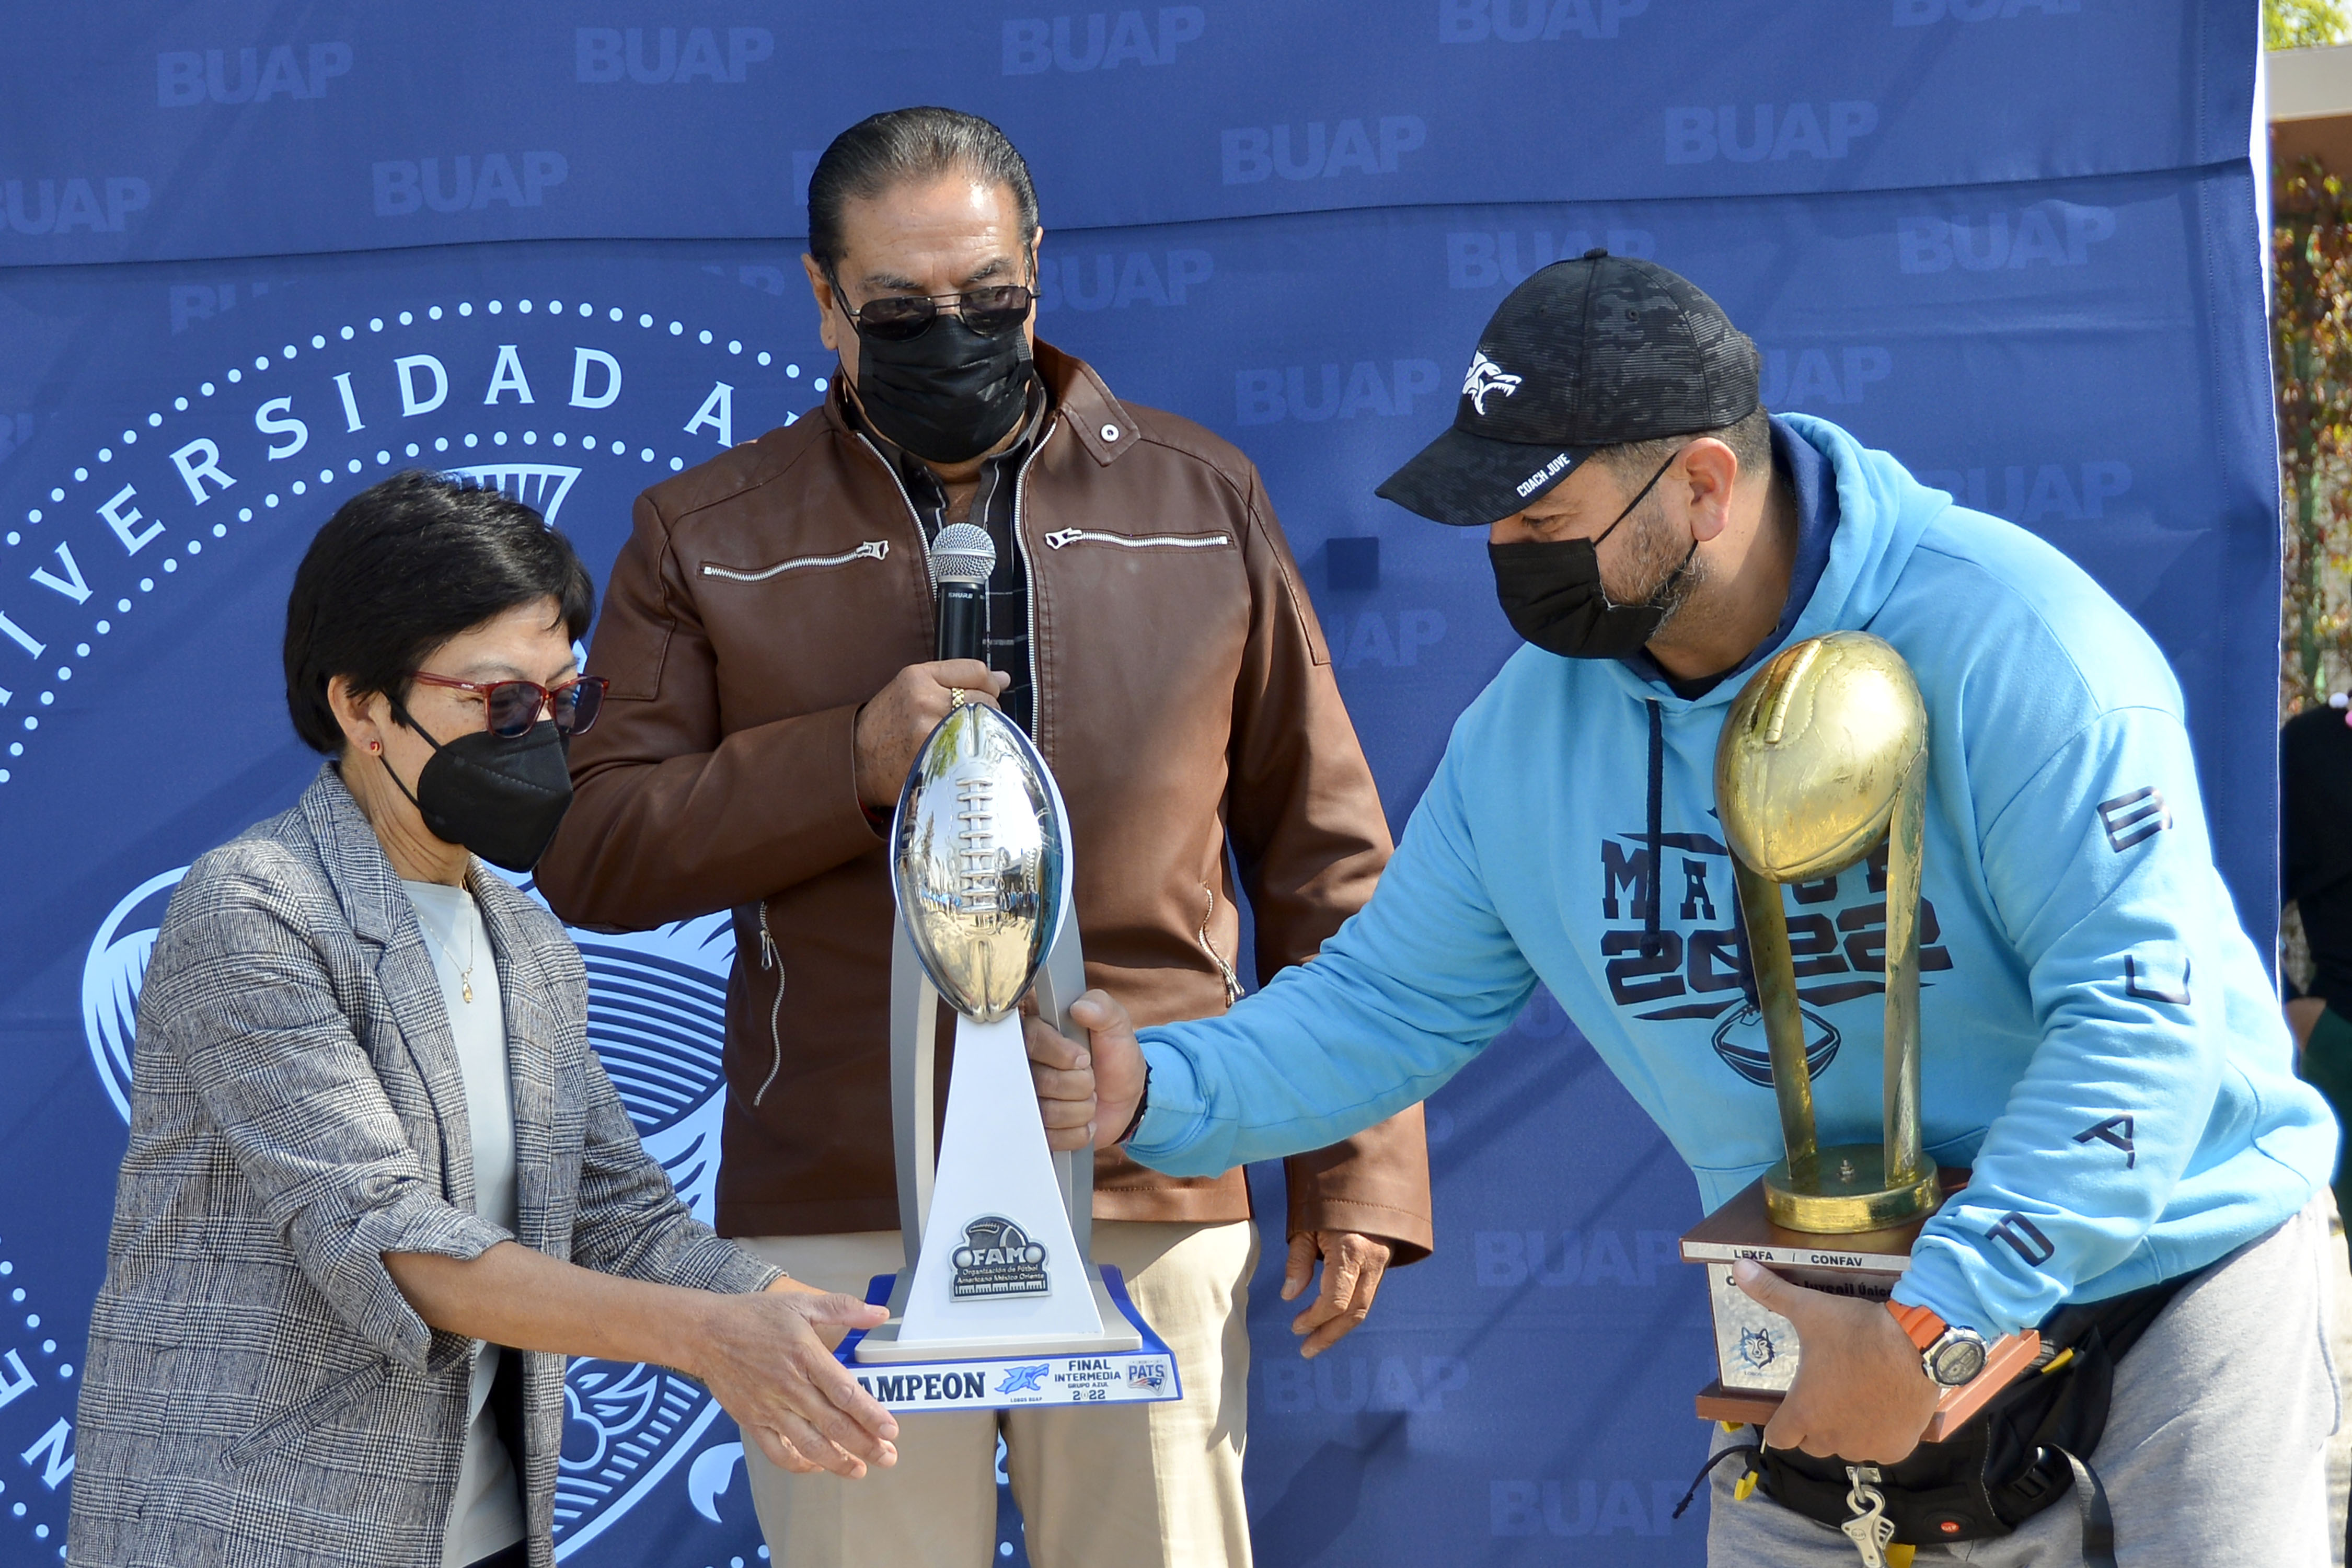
(1487, 376)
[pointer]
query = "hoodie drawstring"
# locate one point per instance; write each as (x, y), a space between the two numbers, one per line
(1656, 833)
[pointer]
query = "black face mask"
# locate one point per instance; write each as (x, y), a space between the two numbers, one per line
(1551, 593)
(503, 799)
(948, 394)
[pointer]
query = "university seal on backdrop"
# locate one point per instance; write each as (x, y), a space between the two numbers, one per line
(153, 529)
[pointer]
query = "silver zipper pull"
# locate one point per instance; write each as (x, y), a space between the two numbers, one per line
(1060, 537)
(873, 549)
(1233, 980)
(775, 1009)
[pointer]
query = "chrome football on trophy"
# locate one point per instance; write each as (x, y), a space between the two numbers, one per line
(999, 1304)
(1823, 758)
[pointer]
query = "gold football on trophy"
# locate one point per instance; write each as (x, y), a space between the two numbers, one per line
(1813, 753)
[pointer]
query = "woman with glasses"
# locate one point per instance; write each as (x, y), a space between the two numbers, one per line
(378, 1185)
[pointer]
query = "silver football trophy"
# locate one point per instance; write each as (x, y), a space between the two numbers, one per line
(999, 1304)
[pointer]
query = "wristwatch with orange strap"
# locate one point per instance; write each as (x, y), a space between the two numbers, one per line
(1949, 1356)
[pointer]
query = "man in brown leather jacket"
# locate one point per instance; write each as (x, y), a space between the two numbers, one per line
(768, 634)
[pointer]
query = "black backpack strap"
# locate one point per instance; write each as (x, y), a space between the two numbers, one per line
(1752, 1452)
(2090, 1507)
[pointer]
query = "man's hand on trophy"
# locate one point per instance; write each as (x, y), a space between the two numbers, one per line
(1860, 1392)
(898, 720)
(766, 1358)
(1087, 1093)
(1353, 1267)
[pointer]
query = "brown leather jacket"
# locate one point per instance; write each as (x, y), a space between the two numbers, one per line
(1184, 696)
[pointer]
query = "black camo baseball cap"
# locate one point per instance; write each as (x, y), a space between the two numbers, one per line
(1586, 354)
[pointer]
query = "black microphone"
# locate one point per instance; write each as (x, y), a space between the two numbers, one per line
(963, 556)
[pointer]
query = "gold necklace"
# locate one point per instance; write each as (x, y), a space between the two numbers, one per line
(465, 976)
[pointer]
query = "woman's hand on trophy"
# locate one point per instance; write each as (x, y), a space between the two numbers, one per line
(1859, 1390)
(1087, 1093)
(767, 1358)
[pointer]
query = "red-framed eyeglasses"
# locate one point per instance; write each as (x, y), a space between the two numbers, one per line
(512, 707)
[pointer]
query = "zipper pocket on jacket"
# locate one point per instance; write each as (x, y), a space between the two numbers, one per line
(872, 550)
(1063, 537)
(1232, 980)
(768, 959)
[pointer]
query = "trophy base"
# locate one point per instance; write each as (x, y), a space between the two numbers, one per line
(1847, 1192)
(1126, 1365)
(1757, 1350)
(881, 1345)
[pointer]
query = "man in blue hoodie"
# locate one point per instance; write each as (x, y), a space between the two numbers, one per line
(2102, 1044)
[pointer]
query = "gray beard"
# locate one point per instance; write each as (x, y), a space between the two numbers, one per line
(1665, 572)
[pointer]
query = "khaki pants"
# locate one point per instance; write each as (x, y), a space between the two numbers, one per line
(1133, 1486)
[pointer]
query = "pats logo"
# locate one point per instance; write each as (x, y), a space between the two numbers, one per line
(1487, 376)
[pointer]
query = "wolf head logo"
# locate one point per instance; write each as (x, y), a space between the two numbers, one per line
(1021, 1379)
(1487, 376)
(1756, 1347)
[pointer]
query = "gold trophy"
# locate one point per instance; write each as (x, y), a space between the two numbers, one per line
(1822, 756)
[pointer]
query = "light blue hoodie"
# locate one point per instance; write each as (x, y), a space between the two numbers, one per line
(2102, 1044)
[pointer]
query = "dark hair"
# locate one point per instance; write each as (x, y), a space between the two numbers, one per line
(1749, 438)
(883, 151)
(400, 569)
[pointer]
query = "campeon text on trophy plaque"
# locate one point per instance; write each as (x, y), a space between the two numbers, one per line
(1824, 754)
(999, 1304)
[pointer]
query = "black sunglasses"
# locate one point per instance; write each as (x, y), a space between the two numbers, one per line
(897, 318)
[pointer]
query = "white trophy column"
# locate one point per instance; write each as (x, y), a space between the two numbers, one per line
(993, 1161)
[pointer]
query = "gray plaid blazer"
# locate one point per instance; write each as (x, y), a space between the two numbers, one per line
(257, 1393)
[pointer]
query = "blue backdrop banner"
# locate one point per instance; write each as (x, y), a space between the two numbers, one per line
(253, 257)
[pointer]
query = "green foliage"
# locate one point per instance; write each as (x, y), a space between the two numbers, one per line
(2311, 356)
(2304, 24)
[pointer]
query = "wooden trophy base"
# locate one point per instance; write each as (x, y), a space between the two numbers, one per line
(1757, 1350)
